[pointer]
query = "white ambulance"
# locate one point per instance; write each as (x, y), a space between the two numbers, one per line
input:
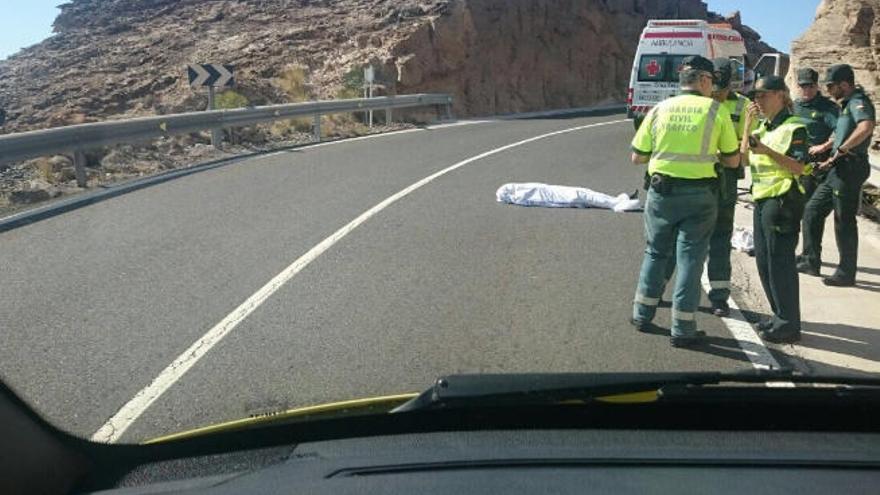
(663, 45)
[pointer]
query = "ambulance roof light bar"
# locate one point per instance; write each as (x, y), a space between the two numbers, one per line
(677, 23)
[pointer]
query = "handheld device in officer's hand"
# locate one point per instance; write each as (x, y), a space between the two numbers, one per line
(753, 142)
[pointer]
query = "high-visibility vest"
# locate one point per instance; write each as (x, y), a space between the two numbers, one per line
(737, 109)
(769, 179)
(685, 136)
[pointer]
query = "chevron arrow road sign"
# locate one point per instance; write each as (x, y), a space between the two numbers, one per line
(214, 75)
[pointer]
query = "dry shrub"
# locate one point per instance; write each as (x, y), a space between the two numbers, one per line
(229, 99)
(294, 81)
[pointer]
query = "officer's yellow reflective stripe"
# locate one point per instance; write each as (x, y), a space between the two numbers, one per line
(647, 301)
(683, 315)
(683, 157)
(719, 284)
(710, 126)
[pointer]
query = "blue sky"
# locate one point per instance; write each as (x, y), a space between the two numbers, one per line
(25, 22)
(779, 21)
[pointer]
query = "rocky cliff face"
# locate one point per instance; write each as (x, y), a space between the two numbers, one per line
(845, 31)
(127, 57)
(500, 56)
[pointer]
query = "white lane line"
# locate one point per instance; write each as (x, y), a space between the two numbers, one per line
(458, 124)
(834, 337)
(385, 134)
(748, 340)
(359, 138)
(116, 426)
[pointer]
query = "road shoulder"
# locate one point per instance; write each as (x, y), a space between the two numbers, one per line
(841, 328)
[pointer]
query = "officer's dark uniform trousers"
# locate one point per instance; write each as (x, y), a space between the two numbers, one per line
(776, 229)
(840, 192)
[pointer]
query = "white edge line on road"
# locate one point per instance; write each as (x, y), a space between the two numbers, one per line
(746, 337)
(382, 134)
(459, 124)
(356, 139)
(116, 426)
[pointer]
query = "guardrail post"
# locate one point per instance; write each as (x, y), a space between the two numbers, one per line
(79, 168)
(387, 116)
(316, 128)
(449, 111)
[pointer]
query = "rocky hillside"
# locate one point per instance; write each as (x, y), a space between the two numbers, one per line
(844, 31)
(127, 57)
(122, 58)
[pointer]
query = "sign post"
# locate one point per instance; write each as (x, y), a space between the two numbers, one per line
(212, 76)
(216, 138)
(369, 77)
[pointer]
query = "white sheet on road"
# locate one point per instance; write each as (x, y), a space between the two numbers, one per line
(537, 194)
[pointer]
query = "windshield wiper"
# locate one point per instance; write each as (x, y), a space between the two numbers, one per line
(553, 388)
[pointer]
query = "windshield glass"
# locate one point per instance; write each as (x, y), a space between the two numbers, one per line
(660, 68)
(220, 209)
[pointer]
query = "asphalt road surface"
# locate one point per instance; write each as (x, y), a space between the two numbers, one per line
(98, 301)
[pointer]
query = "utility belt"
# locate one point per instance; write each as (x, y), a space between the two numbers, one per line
(664, 184)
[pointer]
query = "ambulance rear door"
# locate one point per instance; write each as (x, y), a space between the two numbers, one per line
(725, 42)
(662, 47)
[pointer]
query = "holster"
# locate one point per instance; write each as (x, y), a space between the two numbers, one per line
(661, 184)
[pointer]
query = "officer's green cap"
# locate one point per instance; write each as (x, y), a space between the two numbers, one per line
(696, 62)
(723, 70)
(839, 73)
(769, 83)
(807, 76)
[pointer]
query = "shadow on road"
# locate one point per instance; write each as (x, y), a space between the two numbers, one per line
(862, 269)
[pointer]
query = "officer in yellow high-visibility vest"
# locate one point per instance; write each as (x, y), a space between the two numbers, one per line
(681, 139)
(718, 265)
(779, 151)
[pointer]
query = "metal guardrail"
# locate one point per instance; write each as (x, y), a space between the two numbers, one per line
(76, 139)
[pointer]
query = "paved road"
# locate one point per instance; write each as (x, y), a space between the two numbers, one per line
(97, 302)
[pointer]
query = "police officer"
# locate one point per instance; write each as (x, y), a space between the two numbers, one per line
(680, 140)
(819, 114)
(778, 154)
(719, 244)
(748, 81)
(848, 168)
